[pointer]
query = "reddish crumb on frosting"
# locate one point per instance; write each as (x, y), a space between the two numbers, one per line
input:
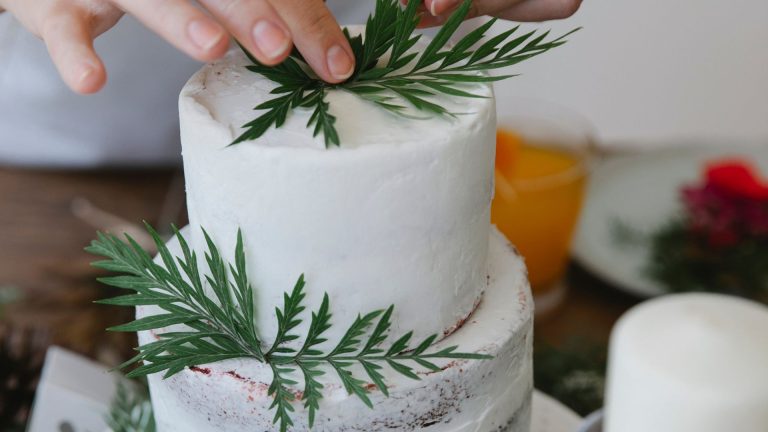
(235, 375)
(450, 330)
(204, 371)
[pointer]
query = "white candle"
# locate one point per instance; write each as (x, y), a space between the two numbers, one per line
(689, 363)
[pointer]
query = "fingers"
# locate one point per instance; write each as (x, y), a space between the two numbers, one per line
(540, 10)
(319, 38)
(515, 10)
(441, 7)
(69, 39)
(256, 25)
(183, 25)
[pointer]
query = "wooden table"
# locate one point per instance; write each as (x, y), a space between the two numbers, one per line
(41, 254)
(42, 241)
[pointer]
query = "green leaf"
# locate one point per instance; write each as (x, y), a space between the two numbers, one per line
(447, 88)
(400, 345)
(288, 317)
(461, 50)
(352, 338)
(352, 384)
(322, 119)
(137, 283)
(469, 78)
(137, 300)
(431, 53)
(379, 334)
(424, 345)
(489, 47)
(153, 322)
(372, 369)
(403, 369)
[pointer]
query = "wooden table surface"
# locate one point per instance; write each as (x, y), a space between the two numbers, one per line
(42, 241)
(41, 255)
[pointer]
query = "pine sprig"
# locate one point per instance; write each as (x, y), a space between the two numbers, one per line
(213, 319)
(130, 411)
(217, 330)
(408, 78)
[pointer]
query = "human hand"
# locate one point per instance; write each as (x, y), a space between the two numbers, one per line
(436, 12)
(266, 28)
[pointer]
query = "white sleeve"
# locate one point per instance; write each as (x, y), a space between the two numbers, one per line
(132, 121)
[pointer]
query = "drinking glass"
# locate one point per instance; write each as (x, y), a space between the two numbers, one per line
(542, 161)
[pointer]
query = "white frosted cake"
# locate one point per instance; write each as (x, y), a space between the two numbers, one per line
(399, 215)
(689, 362)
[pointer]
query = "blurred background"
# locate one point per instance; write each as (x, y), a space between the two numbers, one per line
(625, 135)
(657, 73)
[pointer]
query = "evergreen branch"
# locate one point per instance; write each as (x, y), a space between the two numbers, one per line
(321, 118)
(408, 77)
(224, 329)
(276, 111)
(214, 313)
(130, 411)
(287, 318)
(359, 346)
(282, 396)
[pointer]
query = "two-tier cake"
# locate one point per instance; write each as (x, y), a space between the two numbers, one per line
(399, 215)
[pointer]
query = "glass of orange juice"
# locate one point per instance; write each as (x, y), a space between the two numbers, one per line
(542, 162)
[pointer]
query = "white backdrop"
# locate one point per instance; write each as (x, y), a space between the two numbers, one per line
(659, 72)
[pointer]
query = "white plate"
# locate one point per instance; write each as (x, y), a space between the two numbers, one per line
(592, 422)
(549, 415)
(641, 191)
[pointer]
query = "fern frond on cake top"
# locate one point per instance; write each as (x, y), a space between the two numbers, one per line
(406, 78)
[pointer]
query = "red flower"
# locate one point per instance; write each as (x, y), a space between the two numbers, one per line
(737, 177)
(730, 206)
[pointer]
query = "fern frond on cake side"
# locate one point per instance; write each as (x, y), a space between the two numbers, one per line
(211, 318)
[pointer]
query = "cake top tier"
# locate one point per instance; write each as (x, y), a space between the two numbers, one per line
(229, 92)
(399, 214)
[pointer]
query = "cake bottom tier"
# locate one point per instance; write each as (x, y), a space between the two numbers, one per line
(465, 396)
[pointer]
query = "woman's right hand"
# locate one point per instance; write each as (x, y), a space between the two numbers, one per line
(267, 28)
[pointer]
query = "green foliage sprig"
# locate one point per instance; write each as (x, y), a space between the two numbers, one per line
(407, 78)
(130, 410)
(221, 325)
(682, 260)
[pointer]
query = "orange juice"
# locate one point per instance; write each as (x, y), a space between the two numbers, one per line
(539, 192)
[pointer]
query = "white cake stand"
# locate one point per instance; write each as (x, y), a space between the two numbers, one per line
(549, 415)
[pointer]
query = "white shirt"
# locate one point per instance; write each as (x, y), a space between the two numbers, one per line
(133, 121)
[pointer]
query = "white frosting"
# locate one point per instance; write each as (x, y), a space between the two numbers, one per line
(398, 215)
(689, 362)
(467, 396)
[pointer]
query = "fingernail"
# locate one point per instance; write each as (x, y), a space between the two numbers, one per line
(86, 72)
(272, 40)
(440, 7)
(204, 34)
(340, 63)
